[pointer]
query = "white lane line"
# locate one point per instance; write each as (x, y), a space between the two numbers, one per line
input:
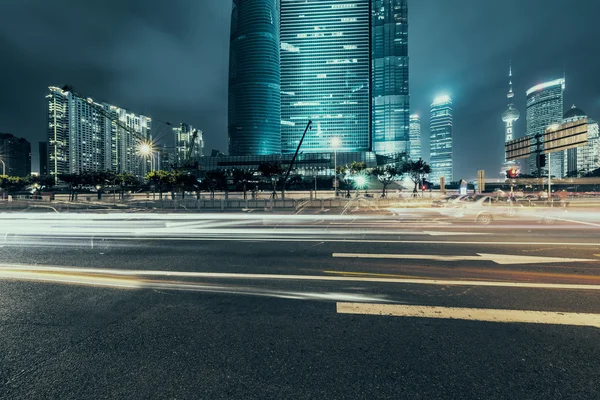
(8, 271)
(471, 314)
(302, 239)
(502, 259)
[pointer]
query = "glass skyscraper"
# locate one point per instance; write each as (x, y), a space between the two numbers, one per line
(441, 140)
(254, 78)
(391, 101)
(325, 74)
(415, 137)
(544, 108)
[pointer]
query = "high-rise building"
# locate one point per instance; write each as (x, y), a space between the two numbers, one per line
(84, 135)
(441, 140)
(189, 143)
(584, 158)
(43, 155)
(545, 108)
(509, 117)
(254, 78)
(389, 52)
(15, 153)
(415, 137)
(325, 74)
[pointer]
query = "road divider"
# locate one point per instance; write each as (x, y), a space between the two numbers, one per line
(471, 314)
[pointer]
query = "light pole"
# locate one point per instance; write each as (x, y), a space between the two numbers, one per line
(3, 167)
(335, 143)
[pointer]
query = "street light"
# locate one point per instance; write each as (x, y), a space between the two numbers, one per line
(3, 168)
(335, 143)
(147, 150)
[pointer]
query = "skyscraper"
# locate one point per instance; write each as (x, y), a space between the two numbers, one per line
(325, 74)
(509, 117)
(584, 158)
(391, 101)
(16, 154)
(188, 145)
(441, 140)
(544, 108)
(415, 137)
(43, 155)
(254, 78)
(84, 135)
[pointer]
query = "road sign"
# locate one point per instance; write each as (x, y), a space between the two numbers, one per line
(442, 184)
(481, 180)
(518, 148)
(555, 138)
(566, 136)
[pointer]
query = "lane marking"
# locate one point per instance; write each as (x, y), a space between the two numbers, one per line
(502, 259)
(303, 239)
(471, 314)
(9, 270)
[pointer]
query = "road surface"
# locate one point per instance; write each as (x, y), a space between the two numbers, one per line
(244, 306)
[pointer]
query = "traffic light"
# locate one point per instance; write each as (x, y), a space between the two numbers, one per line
(512, 173)
(540, 160)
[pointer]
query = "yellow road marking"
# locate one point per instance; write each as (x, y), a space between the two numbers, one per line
(471, 314)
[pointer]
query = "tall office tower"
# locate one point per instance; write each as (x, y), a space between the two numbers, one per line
(584, 158)
(325, 74)
(15, 154)
(254, 79)
(415, 137)
(43, 155)
(544, 108)
(189, 143)
(87, 136)
(441, 140)
(391, 100)
(509, 117)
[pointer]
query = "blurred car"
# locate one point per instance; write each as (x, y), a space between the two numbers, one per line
(448, 201)
(481, 209)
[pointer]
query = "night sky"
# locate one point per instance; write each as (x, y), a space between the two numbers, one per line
(169, 60)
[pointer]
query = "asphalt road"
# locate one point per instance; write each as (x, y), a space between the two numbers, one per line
(266, 306)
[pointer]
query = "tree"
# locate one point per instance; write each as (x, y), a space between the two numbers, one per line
(386, 175)
(126, 180)
(416, 170)
(159, 179)
(98, 179)
(593, 174)
(272, 171)
(357, 167)
(242, 178)
(74, 181)
(214, 180)
(184, 182)
(13, 184)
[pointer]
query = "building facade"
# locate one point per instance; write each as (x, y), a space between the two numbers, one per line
(389, 77)
(84, 135)
(325, 74)
(15, 153)
(415, 151)
(254, 79)
(189, 143)
(545, 108)
(441, 140)
(584, 158)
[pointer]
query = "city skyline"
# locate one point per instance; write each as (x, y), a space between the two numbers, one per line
(194, 89)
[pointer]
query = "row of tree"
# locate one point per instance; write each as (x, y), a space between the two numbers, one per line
(267, 175)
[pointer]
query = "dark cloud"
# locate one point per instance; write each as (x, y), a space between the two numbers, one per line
(169, 59)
